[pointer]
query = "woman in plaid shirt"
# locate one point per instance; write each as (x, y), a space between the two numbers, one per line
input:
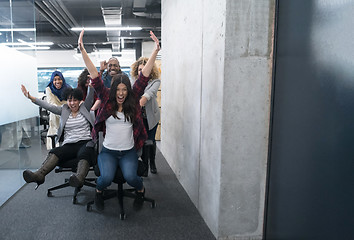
(119, 117)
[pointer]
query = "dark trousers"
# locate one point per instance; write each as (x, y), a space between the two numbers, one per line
(151, 133)
(76, 150)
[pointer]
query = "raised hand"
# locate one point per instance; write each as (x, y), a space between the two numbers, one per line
(143, 101)
(27, 94)
(80, 41)
(157, 44)
(24, 90)
(103, 65)
(89, 64)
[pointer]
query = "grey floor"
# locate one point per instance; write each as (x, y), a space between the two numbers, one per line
(10, 182)
(12, 163)
(30, 214)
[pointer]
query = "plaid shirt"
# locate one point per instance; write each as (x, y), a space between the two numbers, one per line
(104, 110)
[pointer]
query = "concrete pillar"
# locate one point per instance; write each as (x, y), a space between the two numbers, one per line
(216, 80)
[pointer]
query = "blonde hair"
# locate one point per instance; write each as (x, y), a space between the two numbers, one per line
(155, 73)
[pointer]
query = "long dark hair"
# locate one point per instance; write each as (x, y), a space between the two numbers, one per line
(81, 82)
(129, 104)
(75, 93)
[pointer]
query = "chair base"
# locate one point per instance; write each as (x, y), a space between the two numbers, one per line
(87, 182)
(120, 193)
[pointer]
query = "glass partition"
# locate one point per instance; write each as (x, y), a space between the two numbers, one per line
(69, 73)
(20, 143)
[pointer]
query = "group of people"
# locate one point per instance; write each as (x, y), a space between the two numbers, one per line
(126, 115)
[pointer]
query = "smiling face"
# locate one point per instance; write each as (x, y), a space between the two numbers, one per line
(113, 67)
(73, 104)
(121, 94)
(57, 82)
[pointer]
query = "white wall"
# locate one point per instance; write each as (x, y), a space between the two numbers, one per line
(216, 70)
(70, 58)
(13, 75)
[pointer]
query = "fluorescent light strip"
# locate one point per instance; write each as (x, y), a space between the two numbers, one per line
(17, 29)
(31, 48)
(107, 28)
(26, 44)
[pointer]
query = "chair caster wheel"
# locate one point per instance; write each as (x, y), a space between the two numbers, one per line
(153, 204)
(49, 194)
(89, 208)
(74, 200)
(122, 216)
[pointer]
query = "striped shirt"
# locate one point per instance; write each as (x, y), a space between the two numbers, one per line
(76, 129)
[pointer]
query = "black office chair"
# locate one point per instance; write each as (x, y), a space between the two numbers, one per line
(69, 166)
(120, 192)
(43, 120)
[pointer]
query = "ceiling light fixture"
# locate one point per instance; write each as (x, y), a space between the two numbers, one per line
(32, 48)
(17, 29)
(107, 28)
(31, 45)
(27, 44)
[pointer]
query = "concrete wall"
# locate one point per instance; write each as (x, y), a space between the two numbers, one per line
(216, 74)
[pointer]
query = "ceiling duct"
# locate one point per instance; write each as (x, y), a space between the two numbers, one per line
(57, 14)
(142, 9)
(112, 17)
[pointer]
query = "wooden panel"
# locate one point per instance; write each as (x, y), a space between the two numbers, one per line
(158, 133)
(159, 97)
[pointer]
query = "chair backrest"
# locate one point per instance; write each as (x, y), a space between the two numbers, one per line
(43, 115)
(67, 166)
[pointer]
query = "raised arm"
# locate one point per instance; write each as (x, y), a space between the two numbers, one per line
(44, 104)
(89, 98)
(151, 92)
(27, 94)
(89, 64)
(150, 63)
(96, 105)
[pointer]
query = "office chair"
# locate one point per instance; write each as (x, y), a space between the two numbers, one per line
(43, 120)
(69, 166)
(120, 192)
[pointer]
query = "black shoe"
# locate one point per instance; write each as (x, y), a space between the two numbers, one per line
(153, 169)
(145, 173)
(139, 199)
(99, 202)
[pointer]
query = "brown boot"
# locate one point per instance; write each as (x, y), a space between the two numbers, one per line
(77, 179)
(39, 175)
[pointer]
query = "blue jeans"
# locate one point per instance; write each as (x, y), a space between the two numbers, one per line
(108, 162)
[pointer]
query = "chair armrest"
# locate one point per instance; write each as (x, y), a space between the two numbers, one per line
(53, 139)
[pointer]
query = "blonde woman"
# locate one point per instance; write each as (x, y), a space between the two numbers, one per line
(150, 109)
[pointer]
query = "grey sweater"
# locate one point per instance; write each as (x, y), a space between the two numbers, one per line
(151, 107)
(64, 111)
